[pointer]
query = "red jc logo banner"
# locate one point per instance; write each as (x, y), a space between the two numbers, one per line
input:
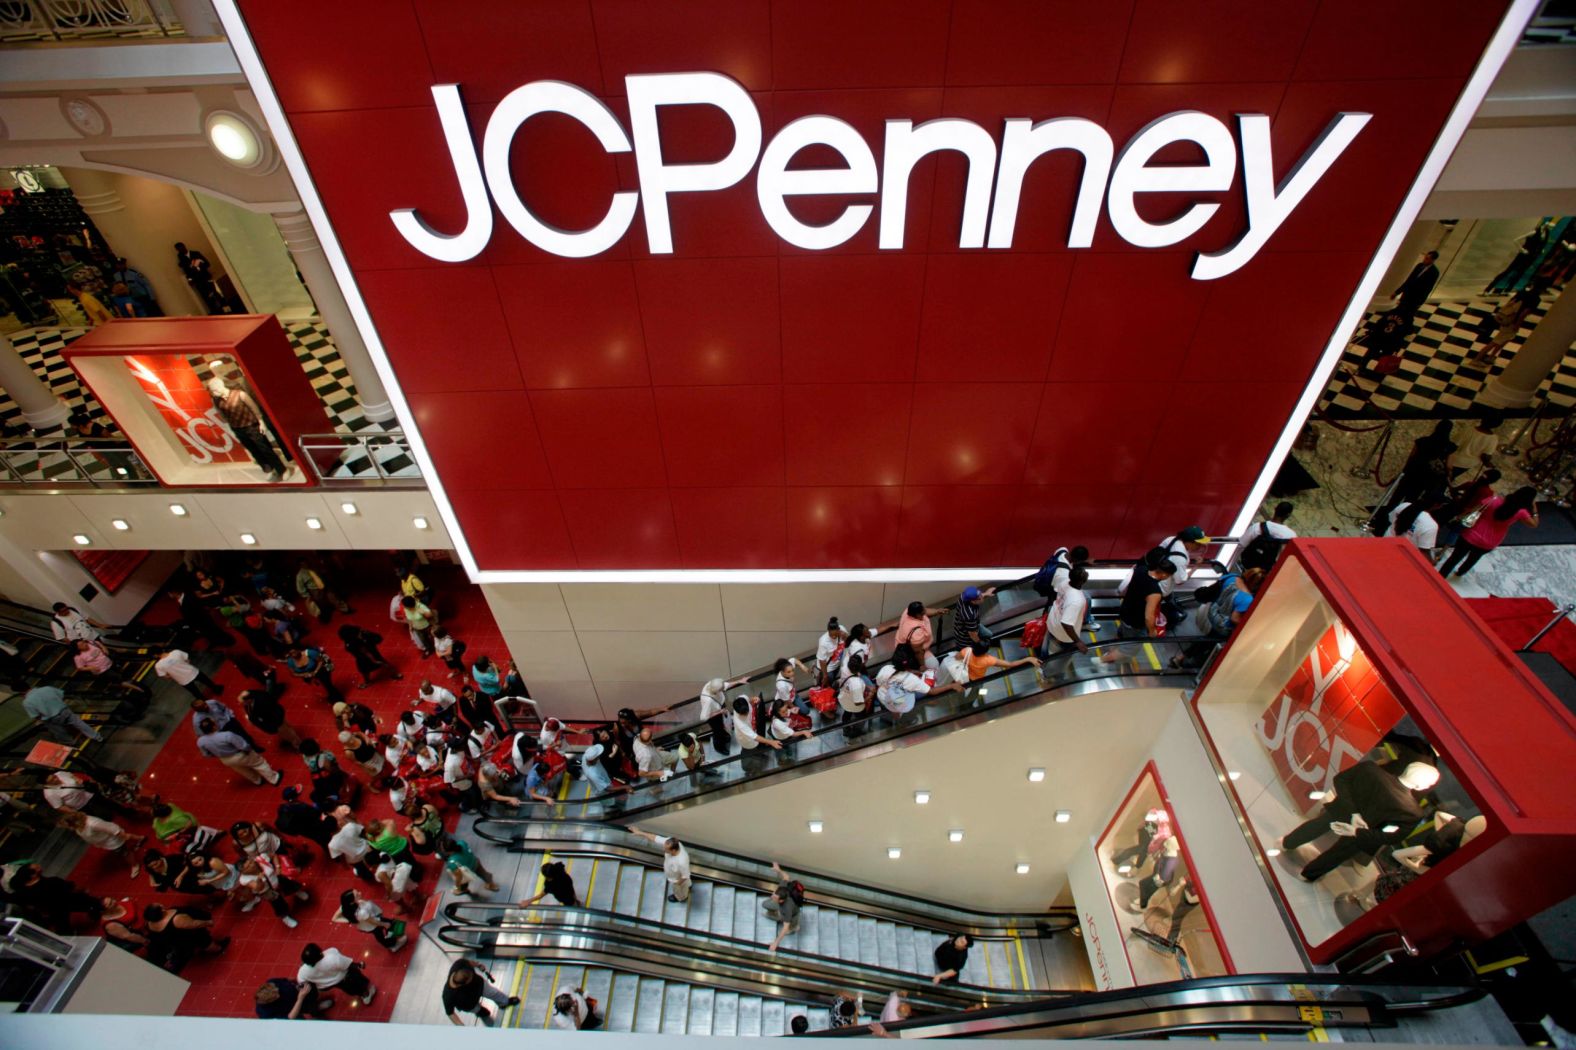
(173, 385)
(1333, 711)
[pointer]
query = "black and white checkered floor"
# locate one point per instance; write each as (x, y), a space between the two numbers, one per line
(314, 348)
(1431, 381)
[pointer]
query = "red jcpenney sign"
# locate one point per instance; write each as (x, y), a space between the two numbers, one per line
(996, 172)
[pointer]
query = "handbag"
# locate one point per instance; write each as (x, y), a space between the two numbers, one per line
(1470, 518)
(1034, 634)
(823, 700)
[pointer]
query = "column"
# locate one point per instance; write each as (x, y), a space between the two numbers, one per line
(1541, 354)
(197, 17)
(137, 238)
(302, 241)
(40, 407)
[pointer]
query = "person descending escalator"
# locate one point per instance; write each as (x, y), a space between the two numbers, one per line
(951, 956)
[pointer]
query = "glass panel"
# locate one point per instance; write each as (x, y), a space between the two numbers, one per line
(1144, 863)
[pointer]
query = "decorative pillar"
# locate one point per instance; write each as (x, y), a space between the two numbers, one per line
(1541, 354)
(307, 252)
(40, 407)
(197, 17)
(134, 239)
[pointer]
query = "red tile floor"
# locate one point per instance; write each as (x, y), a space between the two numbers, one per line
(262, 947)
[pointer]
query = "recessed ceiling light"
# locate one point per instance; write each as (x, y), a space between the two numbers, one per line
(1272, 853)
(349, 508)
(921, 797)
(420, 522)
(1021, 869)
(1233, 775)
(121, 524)
(955, 835)
(81, 540)
(1063, 816)
(178, 510)
(248, 539)
(894, 852)
(816, 827)
(314, 523)
(1125, 869)
(1036, 775)
(1317, 796)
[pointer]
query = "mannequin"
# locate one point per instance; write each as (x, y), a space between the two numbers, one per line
(1165, 870)
(245, 419)
(1369, 808)
(1400, 867)
(1152, 833)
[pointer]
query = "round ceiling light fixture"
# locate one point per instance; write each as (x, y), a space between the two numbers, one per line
(236, 139)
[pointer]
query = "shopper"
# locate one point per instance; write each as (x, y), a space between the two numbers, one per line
(787, 727)
(1508, 320)
(1427, 469)
(267, 714)
(713, 711)
(1416, 522)
(449, 649)
(1261, 543)
(139, 288)
(221, 716)
(1064, 622)
(1495, 518)
(350, 845)
(367, 917)
(92, 657)
(262, 880)
(859, 642)
(783, 685)
(70, 625)
(783, 906)
(325, 968)
(574, 1011)
(979, 661)
(854, 694)
(951, 956)
(178, 935)
(362, 645)
(50, 900)
(675, 864)
(1475, 448)
(418, 619)
(94, 309)
(235, 752)
(829, 651)
(966, 626)
(594, 769)
(47, 706)
(557, 884)
(464, 867)
(105, 835)
(314, 665)
(281, 999)
(651, 761)
(175, 665)
(1412, 292)
(296, 816)
(399, 881)
(485, 673)
(245, 420)
(846, 1008)
(914, 632)
(748, 736)
(198, 618)
(176, 827)
(468, 984)
(1139, 615)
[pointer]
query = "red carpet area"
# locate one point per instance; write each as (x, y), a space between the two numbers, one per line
(262, 946)
(1517, 619)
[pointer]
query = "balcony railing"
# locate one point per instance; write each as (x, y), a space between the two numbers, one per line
(375, 456)
(48, 462)
(34, 21)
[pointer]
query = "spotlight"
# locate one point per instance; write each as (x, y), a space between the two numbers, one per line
(816, 827)
(420, 522)
(1021, 869)
(349, 508)
(1063, 816)
(314, 523)
(1036, 775)
(248, 539)
(121, 524)
(921, 797)
(955, 835)
(894, 852)
(82, 540)
(178, 510)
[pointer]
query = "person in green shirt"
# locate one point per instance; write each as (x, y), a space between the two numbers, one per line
(465, 869)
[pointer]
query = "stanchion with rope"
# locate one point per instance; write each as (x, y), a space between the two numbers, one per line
(1375, 457)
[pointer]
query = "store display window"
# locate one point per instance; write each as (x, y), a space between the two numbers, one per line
(1348, 799)
(1168, 931)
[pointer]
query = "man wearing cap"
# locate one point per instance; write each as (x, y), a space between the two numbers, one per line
(966, 616)
(1183, 552)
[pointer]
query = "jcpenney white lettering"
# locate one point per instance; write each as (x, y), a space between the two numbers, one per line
(991, 195)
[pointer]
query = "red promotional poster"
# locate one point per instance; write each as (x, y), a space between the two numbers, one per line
(1333, 711)
(173, 385)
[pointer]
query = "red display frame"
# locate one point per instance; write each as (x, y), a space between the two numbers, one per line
(1439, 659)
(257, 347)
(1152, 771)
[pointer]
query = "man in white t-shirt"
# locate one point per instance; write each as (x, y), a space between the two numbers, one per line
(67, 790)
(651, 761)
(71, 626)
(1475, 448)
(178, 667)
(440, 698)
(675, 864)
(1067, 614)
(1274, 527)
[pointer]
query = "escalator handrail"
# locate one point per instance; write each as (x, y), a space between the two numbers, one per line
(669, 937)
(817, 882)
(696, 778)
(1365, 985)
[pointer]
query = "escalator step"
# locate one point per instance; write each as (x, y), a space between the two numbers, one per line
(721, 917)
(725, 1014)
(820, 1018)
(774, 1017)
(605, 889)
(648, 1005)
(848, 936)
(903, 947)
(744, 912)
(622, 1002)
(537, 998)
(599, 986)
(808, 939)
(826, 932)
(749, 1018)
(694, 912)
(675, 1009)
(631, 878)
(654, 895)
(867, 941)
(886, 946)
(701, 1007)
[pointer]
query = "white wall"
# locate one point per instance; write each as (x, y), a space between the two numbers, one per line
(978, 782)
(594, 648)
(1102, 929)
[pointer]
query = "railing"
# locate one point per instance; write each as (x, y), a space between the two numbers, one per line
(382, 455)
(100, 462)
(32, 21)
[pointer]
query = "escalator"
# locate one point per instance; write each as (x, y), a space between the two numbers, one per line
(701, 968)
(705, 960)
(1136, 663)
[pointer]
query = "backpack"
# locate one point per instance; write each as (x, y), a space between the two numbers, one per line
(1264, 551)
(796, 892)
(1045, 580)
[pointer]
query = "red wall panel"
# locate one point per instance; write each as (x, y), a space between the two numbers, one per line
(743, 403)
